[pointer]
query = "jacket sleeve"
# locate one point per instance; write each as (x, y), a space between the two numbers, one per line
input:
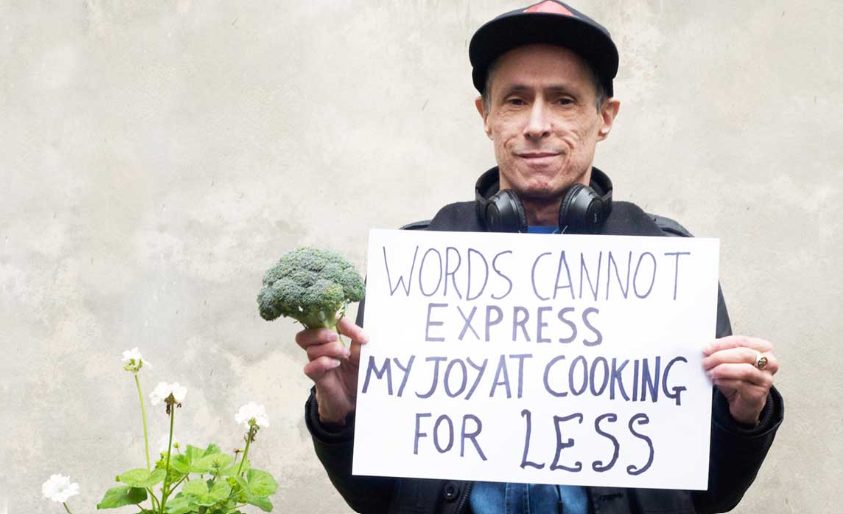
(334, 447)
(737, 451)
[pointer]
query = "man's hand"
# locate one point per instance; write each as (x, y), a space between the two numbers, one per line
(333, 368)
(731, 364)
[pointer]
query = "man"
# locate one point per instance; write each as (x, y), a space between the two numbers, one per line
(545, 78)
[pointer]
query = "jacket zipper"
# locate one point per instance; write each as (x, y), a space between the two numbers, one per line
(464, 499)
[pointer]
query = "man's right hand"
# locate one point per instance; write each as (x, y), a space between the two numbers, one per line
(333, 368)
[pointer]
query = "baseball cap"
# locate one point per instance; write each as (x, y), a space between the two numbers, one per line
(550, 22)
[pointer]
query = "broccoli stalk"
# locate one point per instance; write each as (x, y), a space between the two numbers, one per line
(312, 286)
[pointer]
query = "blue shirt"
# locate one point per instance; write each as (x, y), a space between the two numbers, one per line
(504, 498)
(538, 229)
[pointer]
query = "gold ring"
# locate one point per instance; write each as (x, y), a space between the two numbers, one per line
(760, 361)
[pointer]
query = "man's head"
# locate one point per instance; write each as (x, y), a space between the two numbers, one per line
(545, 78)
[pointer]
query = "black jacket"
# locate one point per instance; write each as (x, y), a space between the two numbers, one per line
(736, 451)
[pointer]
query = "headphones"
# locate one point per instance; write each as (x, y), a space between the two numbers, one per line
(583, 209)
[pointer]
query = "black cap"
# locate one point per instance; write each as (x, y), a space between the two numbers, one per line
(550, 22)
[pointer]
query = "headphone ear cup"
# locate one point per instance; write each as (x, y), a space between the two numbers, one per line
(565, 207)
(505, 213)
(582, 210)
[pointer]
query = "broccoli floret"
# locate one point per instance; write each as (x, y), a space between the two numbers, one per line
(312, 286)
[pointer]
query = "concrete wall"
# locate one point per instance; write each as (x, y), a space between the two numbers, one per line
(158, 156)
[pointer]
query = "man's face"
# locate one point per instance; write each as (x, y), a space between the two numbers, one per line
(543, 120)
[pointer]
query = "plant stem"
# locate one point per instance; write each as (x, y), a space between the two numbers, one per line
(246, 450)
(143, 417)
(66, 508)
(164, 491)
(339, 335)
(152, 499)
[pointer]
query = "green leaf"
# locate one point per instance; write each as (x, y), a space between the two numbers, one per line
(183, 463)
(205, 501)
(239, 488)
(211, 449)
(195, 488)
(179, 464)
(260, 483)
(181, 504)
(121, 496)
(220, 490)
(142, 478)
(177, 472)
(198, 460)
(231, 471)
(206, 495)
(215, 462)
(261, 502)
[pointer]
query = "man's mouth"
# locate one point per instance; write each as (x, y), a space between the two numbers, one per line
(536, 155)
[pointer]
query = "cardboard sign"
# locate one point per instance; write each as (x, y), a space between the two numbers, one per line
(555, 359)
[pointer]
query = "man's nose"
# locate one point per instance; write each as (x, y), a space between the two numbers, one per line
(538, 124)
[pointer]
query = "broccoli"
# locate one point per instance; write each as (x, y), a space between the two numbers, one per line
(312, 286)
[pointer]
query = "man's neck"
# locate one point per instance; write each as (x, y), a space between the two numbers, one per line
(541, 212)
(544, 212)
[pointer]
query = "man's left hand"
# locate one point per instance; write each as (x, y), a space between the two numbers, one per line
(737, 367)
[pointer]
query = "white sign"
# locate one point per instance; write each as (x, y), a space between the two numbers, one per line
(533, 358)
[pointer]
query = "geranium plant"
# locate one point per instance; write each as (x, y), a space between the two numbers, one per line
(193, 481)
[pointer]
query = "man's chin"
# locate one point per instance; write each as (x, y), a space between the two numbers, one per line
(540, 192)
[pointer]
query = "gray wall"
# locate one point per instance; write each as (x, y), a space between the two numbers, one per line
(158, 156)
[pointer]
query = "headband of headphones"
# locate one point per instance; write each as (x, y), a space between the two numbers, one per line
(583, 209)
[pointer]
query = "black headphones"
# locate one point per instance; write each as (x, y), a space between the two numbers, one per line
(583, 209)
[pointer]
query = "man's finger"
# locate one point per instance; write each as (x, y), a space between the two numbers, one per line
(312, 336)
(743, 372)
(317, 368)
(772, 363)
(738, 385)
(348, 328)
(740, 355)
(334, 350)
(725, 343)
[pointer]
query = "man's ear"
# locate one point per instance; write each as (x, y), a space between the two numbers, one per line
(481, 109)
(608, 113)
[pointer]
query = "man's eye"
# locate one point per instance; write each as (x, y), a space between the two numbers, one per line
(565, 100)
(515, 101)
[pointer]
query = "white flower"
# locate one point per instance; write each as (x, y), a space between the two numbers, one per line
(252, 413)
(163, 391)
(58, 488)
(134, 361)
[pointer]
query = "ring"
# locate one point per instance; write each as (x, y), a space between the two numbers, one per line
(760, 361)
